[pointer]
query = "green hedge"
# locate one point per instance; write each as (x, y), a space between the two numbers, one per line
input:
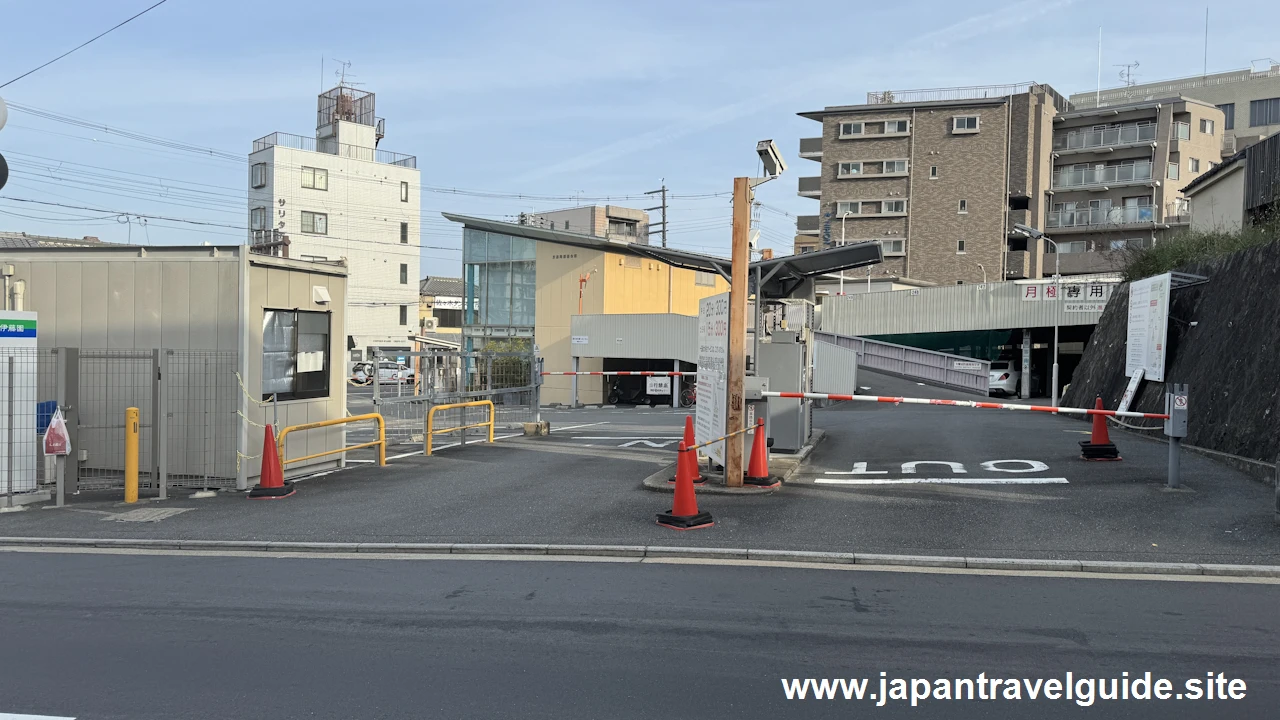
(1190, 247)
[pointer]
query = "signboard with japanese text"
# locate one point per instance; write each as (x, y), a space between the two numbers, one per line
(1085, 297)
(1148, 326)
(713, 377)
(657, 385)
(18, 386)
(1032, 293)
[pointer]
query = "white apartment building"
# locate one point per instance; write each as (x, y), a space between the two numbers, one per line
(337, 195)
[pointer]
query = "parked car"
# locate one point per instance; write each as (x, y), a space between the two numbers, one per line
(1005, 378)
(388, 373)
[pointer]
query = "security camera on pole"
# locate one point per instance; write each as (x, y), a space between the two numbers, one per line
(743, 196)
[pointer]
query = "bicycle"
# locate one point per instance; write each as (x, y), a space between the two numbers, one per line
(688, 396)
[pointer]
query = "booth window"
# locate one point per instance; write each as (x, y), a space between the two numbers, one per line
(295, 354)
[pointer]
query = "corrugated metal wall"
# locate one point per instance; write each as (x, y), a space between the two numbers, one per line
(835, 368)
(947, 308)
(643, 336)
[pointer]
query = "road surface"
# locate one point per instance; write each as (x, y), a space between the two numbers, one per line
(141, 636)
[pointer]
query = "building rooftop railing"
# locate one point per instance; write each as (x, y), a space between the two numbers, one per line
(332, 147)
(1168, 88)
(973, 92)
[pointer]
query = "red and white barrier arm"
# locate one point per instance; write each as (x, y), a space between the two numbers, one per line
(646, 373)
(967, 403)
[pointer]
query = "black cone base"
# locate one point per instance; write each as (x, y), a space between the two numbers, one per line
(685, 522)
(261, 493)
(1100, 451)
(761, 481)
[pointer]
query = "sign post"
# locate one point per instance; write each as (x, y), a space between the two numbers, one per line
(1175, 406)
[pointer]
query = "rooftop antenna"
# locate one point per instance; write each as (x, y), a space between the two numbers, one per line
(1126, 74)
(1206, 41)
(343, 72)
(1097, 96)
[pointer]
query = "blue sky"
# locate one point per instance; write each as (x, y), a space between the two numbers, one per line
(550, 98)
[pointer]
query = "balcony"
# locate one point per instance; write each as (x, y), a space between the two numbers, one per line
(811, 148)
(810, 187)
(807, 225)
(332, 147)
(1101, 218)
(1101, 178)
(1106, 140)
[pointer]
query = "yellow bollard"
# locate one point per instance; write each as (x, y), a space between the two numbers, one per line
(131, 455)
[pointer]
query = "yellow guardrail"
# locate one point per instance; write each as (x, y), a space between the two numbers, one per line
(431, 416)
(381, 442)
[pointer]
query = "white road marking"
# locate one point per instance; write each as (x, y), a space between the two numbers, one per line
(624, 437)
(648, 443)
(910, 467)
(1032, 466)
(941, 481)
(859, 468)
(575, 427)
(11, 716)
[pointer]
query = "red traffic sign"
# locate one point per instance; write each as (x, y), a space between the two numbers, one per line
(1180, 401)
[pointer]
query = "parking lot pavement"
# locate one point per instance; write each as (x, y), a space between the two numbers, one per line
(573, 488)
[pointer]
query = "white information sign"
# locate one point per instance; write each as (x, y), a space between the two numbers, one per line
(966, 365)
(18, 340)
(713, 363)
(1148, 326)
(657, 385)
(579, 340)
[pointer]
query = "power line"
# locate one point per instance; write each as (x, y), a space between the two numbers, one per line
(86, 42)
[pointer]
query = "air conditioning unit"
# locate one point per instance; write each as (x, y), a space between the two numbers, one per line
(430, 324)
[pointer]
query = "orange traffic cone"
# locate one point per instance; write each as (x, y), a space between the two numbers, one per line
(684, 513)
(698, 477)
(1099, 445)
(758, 467)
(272, 485)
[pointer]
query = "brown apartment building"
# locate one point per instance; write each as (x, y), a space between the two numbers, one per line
(938, 176)
(941, 177)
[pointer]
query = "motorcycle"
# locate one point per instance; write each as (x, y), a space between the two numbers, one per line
(621, 395)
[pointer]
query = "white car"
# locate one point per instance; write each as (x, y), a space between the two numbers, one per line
(388, 373)
(1005, 378)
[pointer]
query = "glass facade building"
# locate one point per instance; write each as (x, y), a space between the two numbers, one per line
(501, 284)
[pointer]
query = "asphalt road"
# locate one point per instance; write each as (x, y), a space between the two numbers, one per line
(132, 636)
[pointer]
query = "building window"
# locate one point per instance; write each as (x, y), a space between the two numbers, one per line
(1206, 126)
(448, 317)
(849, 169)
(850, 129)
(1228, 116)
(315, 223)
(566, 226)
(404, 191)
(1173, 171)
(960, 247)
(1182, 130)
(894, 247)
(1264, 112)
(933, 172)
(1075, 246)
(895, 206)
(404, 233)
(895, 126)
(895, 166)
(258, 218)
(964, 124)
(705, 279)
(404, 314)
(622, 227)
(315, 178)
(295, 354)
(1129, 244)
(404, 274)
(964, 207)
(258, 175)
(1193, 164)
(848, 208)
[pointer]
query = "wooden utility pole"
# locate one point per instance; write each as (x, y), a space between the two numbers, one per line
(735, 418)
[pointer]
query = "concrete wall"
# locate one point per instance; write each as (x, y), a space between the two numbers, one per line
(364, 215)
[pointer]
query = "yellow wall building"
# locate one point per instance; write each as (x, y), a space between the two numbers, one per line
(527, 282)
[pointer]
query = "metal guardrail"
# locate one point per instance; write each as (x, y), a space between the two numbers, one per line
(1069, 177)
(1123, 135)
(1089, 217)
(332, 147)
(954, 371)
(431, 417)
(381, 442)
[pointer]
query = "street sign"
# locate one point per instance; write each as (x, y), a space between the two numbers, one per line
(1148, 326)
(966, 365)
(713, 363)
(1180, 401)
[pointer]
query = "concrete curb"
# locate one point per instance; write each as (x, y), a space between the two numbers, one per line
(662, 552)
